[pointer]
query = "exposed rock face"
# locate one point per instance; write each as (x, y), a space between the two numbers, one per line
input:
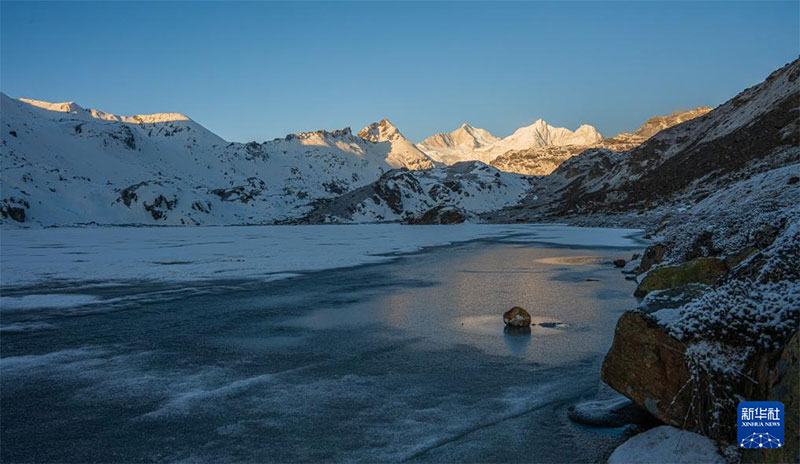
(441, 215)
(699, 270)
(649, 366)
(654, 254)
(517, 317)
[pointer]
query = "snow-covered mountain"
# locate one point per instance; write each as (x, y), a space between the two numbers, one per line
(542, 160)
(465, 188)
(468, 143)
(403, 153)
(63, 164)
(754, 132)
(541, 134)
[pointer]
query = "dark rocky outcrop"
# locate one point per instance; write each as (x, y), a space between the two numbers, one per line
(654, 254)
(440, 215)
(159, 206)
(14, 212)
(14, 208)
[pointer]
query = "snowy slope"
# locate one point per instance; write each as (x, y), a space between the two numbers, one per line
(63, 164)
(468, 143)
(399, 195)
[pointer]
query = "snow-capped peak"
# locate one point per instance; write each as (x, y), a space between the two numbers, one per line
(471, 143)
(452, 147)
(542, 134)
(382, 131)
(402, 153)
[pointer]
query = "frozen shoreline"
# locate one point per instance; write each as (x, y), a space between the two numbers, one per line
(120, 254)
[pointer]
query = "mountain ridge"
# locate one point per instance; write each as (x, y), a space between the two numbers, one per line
(469, 143)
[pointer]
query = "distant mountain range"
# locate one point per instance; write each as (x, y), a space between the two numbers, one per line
(544, 159)
(468, 143)
(66, 165)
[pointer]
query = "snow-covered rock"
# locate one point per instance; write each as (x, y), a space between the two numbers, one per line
(665, 445)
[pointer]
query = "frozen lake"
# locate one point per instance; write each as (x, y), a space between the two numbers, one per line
(318, 343)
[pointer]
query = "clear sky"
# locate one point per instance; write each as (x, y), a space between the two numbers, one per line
(255, 71)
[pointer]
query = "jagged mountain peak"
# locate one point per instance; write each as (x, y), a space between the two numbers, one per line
(542, 134)
(381, 131)
(472, 143)
(402, 153)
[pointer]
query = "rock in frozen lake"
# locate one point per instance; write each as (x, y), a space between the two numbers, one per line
(517, 317)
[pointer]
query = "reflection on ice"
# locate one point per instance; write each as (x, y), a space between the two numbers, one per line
(517, 338)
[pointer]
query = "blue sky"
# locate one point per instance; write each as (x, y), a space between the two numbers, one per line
(255, 71)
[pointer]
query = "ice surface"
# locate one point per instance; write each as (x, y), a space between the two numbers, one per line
(406, 360)
(105, 254)
(52, 300)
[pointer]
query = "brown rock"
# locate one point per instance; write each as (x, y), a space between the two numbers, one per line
(619, 262)
(653, 255)
(648, 366)
(517, 317)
